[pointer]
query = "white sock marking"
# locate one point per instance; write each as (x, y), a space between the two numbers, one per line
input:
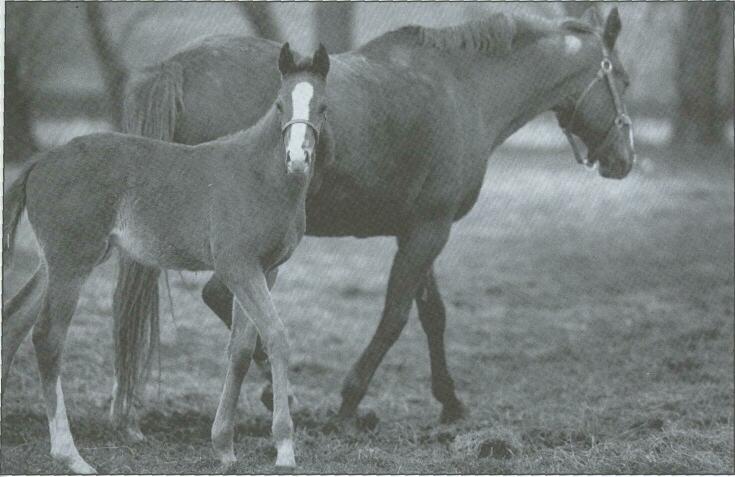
(301, 98)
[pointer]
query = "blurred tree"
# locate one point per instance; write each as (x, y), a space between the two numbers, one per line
(112, 66)
(576, 9)
(700, 117)
(334, 25)
(261, 19)
(18, 142)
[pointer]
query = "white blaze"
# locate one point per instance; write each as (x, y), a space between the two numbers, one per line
(300, 98)
(572, 44)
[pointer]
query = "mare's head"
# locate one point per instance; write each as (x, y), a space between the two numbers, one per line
(302, 108)
(594, 109)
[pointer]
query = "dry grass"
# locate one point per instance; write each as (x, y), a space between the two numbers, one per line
(590, 331)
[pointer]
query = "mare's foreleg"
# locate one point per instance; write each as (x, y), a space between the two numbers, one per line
(432, 315)
(417, 249)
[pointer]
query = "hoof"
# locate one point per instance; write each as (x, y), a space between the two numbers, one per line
(351, 423)
(133, 435)
(453, 413)
(227, 467)
(77, 465)
(266, 397)
(285, 469)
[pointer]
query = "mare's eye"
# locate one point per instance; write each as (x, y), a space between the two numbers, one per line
(279, 106)
(322, 109)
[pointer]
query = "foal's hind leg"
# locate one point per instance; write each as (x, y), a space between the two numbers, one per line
(19, 315)
(49, 335)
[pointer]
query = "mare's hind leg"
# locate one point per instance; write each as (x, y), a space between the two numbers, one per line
(433, 319)
(19, 315)
(49, 335)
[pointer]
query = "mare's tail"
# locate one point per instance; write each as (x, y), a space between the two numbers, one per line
(150, 109)
(14, 202)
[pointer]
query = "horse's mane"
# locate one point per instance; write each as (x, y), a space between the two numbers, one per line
(498, 34)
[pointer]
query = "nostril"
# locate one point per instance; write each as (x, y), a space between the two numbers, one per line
(288, 156)
(307, 157)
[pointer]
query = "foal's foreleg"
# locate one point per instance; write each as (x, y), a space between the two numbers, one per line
(433, 319)
(417, 250)
(242, 344)
(251, 290)
(219, 299)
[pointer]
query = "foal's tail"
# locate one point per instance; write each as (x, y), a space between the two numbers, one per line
(13, 204)
(150, 109)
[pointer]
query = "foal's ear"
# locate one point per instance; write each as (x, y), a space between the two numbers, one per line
(320, 62)
(592, 16)
(612, 28)
(286, 63)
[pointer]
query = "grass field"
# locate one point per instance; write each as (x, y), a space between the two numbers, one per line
(590, 331)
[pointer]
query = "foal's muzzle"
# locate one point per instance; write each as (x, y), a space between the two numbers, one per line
(298, 165)
(300, 162)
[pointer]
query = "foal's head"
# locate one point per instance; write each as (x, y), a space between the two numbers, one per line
(302, 107)
(594, 111)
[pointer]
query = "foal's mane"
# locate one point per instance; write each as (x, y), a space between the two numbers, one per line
(496, 35)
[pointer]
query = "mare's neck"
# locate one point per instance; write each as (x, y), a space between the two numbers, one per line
(513, 89)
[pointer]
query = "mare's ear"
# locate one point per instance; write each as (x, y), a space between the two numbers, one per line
(612, 28)
(286, 63)
(592, 16)
(320, 61)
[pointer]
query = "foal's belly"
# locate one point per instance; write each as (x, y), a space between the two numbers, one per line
(161, 243)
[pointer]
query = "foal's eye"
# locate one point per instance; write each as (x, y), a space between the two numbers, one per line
(322, 109)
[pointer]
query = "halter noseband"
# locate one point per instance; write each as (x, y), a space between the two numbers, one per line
(301, 121)
(622, 120)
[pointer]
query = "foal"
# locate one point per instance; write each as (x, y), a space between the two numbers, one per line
(234, 205)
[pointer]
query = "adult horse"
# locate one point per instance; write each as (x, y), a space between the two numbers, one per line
(419, 111)
(235, 205)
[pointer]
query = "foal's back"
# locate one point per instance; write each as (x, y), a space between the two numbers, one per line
(148, 197)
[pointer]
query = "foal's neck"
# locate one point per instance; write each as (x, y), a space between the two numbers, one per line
(260, 150)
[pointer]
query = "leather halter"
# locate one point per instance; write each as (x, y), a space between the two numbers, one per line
(621, 121)
(301, 121)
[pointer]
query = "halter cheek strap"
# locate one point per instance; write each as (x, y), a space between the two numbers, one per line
(621, 121)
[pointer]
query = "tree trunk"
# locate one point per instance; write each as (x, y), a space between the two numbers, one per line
(114, 72)
(576, 9)
(261, 19)
(334, 25)
(18, 142)
(699, 119)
